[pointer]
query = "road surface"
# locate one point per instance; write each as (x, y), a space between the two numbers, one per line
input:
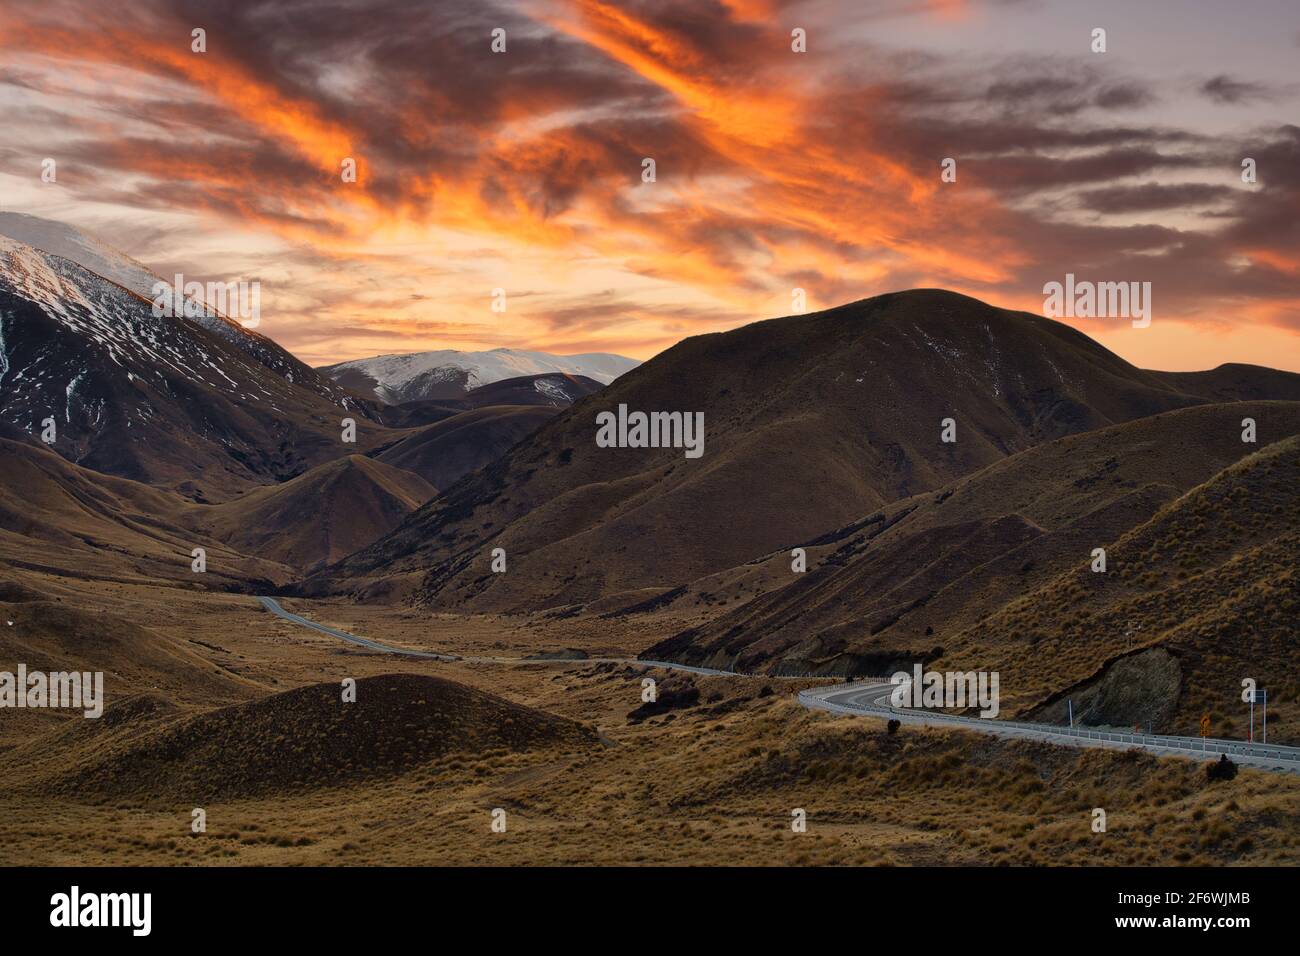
(871, 698)
(272, 605)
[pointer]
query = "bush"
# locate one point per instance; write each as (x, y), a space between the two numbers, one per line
(892, 726)
(1225, 769)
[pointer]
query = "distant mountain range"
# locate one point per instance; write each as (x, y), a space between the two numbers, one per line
(173, 431)
(812, 422)
(447, 373)
(206, 406)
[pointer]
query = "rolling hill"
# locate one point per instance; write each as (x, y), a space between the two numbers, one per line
(64, 519)
(61, 518)
(321, 516)
(51, 636)
(934, 577)
(298, 740)
(445, 452)
(811, 422)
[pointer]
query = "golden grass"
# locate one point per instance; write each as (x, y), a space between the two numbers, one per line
(713, 785)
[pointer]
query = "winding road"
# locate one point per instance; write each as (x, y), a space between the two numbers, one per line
(871, 698)
(272, 605)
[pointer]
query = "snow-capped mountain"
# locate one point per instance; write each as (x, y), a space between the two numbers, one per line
(449, 373)
(156, 399)
(67, 242)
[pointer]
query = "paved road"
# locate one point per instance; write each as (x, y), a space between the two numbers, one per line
(871, 698)
(272, 605)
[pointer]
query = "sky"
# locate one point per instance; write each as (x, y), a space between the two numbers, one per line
(774, 170)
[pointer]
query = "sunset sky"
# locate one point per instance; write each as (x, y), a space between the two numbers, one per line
(775, 169)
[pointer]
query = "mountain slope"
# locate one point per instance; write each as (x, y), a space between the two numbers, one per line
(448, 373)
(1211, 581)
(810, 421)
(159, 400)
(67, 242)
(320, 516)
(58, 517)
(551, 389)
(445, 452)
(555, 389)
(52, 636)
(891, 588)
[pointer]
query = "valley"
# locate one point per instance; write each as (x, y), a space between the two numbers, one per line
(714, 782)
(916, 480)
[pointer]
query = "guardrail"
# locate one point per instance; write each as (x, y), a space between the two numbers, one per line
(817, 698)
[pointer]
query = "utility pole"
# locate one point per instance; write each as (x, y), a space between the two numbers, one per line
(1071, 704)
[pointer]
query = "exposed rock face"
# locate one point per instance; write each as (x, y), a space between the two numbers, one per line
(1140, 690)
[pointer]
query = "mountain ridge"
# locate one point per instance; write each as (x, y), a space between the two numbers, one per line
(401, 377)
(847, 419)
(154, 398)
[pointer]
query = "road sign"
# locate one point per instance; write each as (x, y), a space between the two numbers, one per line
(1205, 725)
(1260, 695)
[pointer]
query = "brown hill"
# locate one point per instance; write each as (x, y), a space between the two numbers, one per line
(555, 389)
(901, 584)
(1211, 581)
(322, 515)
(446, 451)
(810, 421)
(51, 636)
(59, 517)
(308, 738)
(1237, 383)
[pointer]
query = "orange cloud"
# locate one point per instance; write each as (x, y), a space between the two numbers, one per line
(775, 169)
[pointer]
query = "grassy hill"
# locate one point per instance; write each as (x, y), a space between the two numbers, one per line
(811, 422)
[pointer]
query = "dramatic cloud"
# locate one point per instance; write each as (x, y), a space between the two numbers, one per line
(1224, 89)
(523, 170)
